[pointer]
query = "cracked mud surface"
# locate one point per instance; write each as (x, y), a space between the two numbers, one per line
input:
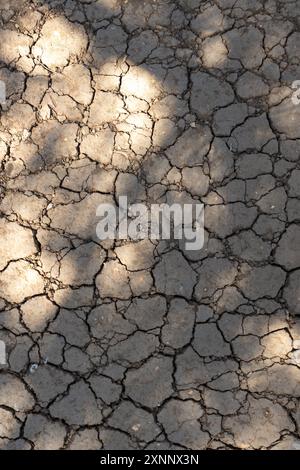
(146, 345)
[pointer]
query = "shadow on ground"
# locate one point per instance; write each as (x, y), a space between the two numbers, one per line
(144, 99)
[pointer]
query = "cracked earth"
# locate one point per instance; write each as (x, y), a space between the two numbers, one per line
(145, 345)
